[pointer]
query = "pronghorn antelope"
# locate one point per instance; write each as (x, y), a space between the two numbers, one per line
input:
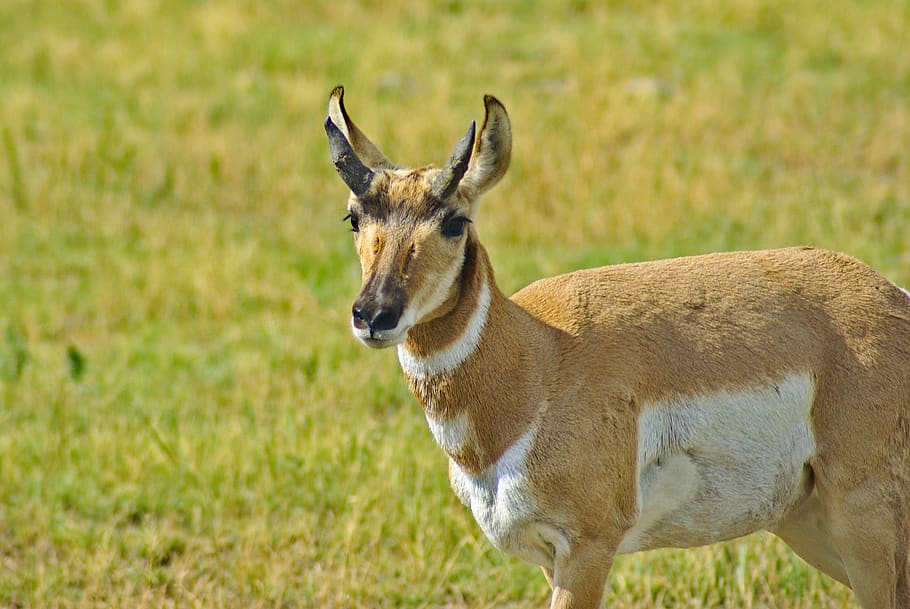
(662, 404)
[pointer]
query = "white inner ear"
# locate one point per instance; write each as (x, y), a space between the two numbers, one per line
(338, 118)
(490, 159)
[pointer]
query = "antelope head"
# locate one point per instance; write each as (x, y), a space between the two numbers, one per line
(412, 226)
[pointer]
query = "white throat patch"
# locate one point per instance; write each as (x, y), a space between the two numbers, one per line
(451, 435)
(452, 357)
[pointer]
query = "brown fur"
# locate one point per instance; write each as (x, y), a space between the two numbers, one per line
(578, 356)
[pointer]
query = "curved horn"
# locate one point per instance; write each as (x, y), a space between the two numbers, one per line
(449, 176)
(366, 150)
(355, 174)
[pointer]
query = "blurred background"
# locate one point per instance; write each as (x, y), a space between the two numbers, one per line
(185, 420)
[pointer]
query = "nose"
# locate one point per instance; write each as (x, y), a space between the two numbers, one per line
(377, 317)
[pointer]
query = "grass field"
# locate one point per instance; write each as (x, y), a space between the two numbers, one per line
(185, 420)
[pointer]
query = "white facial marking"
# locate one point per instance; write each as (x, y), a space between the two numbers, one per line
(451, 435)
(438, 296)
(449, 359)
(720, 466)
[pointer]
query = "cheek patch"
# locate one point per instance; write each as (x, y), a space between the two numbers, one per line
(438, 291)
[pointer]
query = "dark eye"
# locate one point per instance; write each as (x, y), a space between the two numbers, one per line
(354, 224)
(454, 227)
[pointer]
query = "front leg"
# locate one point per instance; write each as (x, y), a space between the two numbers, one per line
(578, 578)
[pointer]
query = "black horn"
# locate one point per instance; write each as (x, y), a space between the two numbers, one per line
(355, 174)
(447, 181)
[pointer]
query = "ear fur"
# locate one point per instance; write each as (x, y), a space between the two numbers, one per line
(492, 150)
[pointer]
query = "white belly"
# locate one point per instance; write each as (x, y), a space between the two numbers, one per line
(721, 466)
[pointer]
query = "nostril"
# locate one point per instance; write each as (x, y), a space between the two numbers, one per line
(385, 319)
(359, 318)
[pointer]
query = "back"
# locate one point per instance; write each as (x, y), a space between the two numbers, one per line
(725, 322)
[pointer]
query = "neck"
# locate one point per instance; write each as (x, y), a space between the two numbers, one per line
(444, 343)
(471, 367)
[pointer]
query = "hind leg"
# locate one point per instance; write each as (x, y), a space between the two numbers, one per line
(805, 531)
(869, 531)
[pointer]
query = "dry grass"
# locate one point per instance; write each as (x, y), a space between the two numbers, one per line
(186, 421)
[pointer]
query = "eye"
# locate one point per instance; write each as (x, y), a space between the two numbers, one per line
(454, 227)
(355, 226)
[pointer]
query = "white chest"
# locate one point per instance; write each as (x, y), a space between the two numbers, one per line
(451, 435)
(503, 504)
(721, 466)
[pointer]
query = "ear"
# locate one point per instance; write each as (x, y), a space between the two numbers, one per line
(492, 150)
(363, 147)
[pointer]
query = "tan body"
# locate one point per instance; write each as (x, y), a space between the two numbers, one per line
(670, 403)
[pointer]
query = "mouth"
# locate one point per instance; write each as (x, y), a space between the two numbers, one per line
(378, 339)
(377, 343)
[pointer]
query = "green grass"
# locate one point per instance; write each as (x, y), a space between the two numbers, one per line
(184, 418)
